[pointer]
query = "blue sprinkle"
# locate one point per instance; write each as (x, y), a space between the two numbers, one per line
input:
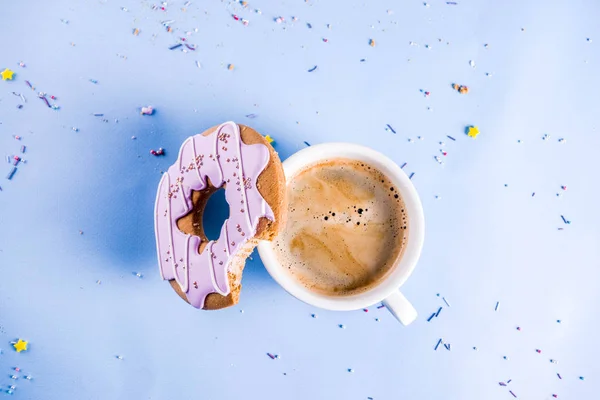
(438, 311)
(450, 137)
(312, 69)
(391, 129)
(175, 47)
(411, 175)
(306, 143)
(11, 173)
(431, 317)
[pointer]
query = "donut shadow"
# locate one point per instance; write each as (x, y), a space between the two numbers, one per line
(115, 210)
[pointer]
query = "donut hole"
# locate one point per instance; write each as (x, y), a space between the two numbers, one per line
(216, 212)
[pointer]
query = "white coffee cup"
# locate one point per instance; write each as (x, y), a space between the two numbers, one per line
(385, 291)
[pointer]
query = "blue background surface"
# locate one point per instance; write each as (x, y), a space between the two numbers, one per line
(76, 299)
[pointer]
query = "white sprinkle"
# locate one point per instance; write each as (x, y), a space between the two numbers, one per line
(472, 63)
(119, 357)
(198, 64)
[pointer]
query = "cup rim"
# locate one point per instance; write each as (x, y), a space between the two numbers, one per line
(416, 223)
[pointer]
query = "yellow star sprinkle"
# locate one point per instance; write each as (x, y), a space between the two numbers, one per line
(269, 139)
(472, 131)
(7, 74)
(20, 345)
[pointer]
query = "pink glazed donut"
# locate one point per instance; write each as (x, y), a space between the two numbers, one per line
(207, 273)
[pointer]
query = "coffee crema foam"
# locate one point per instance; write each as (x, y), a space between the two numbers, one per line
(347, 227)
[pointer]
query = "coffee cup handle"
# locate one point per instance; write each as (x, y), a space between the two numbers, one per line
(400, 308)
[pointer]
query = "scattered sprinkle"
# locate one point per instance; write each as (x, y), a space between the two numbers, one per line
(403, 165)
(251, 116)
(147, 110)
(159, 152)
(7, 74)
(314, 315)
(371, 42)
(565, 220)
(178, 45)
(460, 88)
(350, 370)
(390, 128)
(511, 392)
(438, 344)
(271, 356)
(230, 67)
(313, 69)
(269, 139)
(438, 311)
(136, 32)
(559, 377)
(497, 305)
(472, 131)
(381, 306)
(450, 137)
(411, 175)
(119, 357)
(342, 326)
(306, 143)
(430, 317)
(11, 173)
(20, 345)
(538, 351)
(472, 63)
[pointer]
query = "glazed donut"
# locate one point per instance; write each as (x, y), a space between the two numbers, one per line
(207, 274)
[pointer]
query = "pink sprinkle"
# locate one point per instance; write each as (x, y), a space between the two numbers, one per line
(445, 153)
(325, 40)
(427, 94)
(236, 17)
(538, 351)
(365, 310)
(271, 356)
(563, 187)
(17, 369)
(555, 396)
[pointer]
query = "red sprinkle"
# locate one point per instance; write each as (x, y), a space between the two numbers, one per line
(235, 17)
(365, 310)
